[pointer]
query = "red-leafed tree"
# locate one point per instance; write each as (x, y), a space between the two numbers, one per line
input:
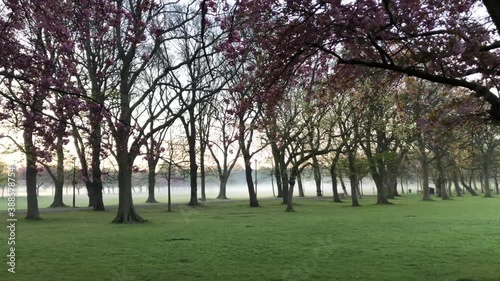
(447, 41)
(36, 51)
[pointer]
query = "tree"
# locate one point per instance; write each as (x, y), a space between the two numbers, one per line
(441, 41)
(224, 149)
(35, 65)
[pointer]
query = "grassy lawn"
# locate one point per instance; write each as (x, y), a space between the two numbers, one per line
(82, 200)
(411, 240)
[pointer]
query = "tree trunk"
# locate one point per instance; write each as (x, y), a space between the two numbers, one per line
(277, 170)
(284, 181)
(96, 201)
(353, 178)
(333, 174)
(301, 188)
(456, 184)
(444, 192)
(381, 190)
(466, 186)
(169, 180)
(248, 176)
(126, 211)
(424, 162)
(193, 167)
(151, 181)
(223, 184)
(203, 177)
(394, 186)
(31, 174)
(317, 175)
(342, 183)
(486, 177)
(291, 182)
(441, 179)
(496, 175)
(59, 179)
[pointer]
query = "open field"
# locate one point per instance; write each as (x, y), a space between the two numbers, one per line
(411, 240)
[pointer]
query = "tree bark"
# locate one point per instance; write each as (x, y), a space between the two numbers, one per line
(59, 177)
(424, 162)
(342, 183)
(317, 175)
(333, 174)
(441, 179)
(381, 190)
(466, 186)
(31, 175)
(456, 184)
(301, 188)
(151, 180)
(486, 177)
(248, 176)
(291, 183)
(353, 178)
(126, 211)
(203, 176)
(493, 7)
(284, 180)
(193, 167)
(223, 184)
(277, 170)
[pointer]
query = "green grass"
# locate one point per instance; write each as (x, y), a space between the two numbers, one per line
(411, 240)
(82, 200)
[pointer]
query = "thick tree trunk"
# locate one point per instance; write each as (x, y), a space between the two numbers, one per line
(300, 186)
(291, 182)
(58, 195)
(151, 181)
(223, 184)
(95, 199)
(394, 186)
(493, 8)
(126, 211)
(31, 174)
(98, 200)
(381, 190)
(125, 159)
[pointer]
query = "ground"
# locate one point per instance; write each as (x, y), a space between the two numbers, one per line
(411, 240)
